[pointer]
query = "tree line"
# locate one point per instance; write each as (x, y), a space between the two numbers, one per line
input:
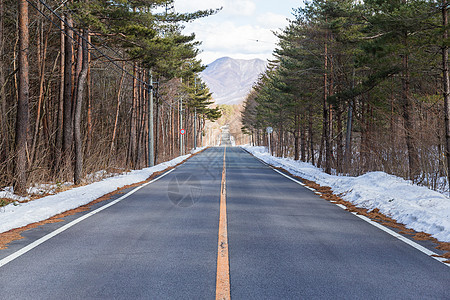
(78, 80)
(360, 86)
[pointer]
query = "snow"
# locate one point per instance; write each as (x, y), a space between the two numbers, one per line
(8, 193)
(417, 207)
(16, 214)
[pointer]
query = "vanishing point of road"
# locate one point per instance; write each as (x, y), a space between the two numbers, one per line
(221, 225)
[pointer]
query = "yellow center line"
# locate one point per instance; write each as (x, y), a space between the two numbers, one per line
(223, 267)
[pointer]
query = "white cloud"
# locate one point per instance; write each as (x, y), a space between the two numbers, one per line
(240, 7)
(193, 5)
(272, 21)
(230, 7)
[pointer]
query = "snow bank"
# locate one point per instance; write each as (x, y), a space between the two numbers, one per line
(415, 206)
(18, 215)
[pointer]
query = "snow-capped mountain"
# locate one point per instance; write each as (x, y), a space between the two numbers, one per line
(230, 80)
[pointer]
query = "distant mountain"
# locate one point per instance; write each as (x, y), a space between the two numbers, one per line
(230, 80)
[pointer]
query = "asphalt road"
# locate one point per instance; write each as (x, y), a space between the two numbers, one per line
(161, 243)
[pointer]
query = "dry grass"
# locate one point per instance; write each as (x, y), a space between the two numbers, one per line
(5, 201)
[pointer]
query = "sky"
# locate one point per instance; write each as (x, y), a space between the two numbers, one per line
(243, 29)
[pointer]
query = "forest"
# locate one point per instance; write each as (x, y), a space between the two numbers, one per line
(91, 85)
(359, 86)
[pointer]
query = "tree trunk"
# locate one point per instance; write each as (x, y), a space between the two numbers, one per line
(326, 125)
(22, 118)
(330, 152)
(41, 67)
(116, 120)
(348, 137)
(322, 143)
(311, 135)
(132, 143)
(76, 75)
(329, 140)
(366, 135)
(140, 121)
(78, 170)
(302, 139)
(296, 136)
(172, 133)
(339, 142)
(60, 117)
(296, 148)
(158, 128)
(4, 139)
(89, 103)
(67, 110)
(413, 156)
(446, 85)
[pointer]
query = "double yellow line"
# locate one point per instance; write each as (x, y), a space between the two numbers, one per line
(223, 265)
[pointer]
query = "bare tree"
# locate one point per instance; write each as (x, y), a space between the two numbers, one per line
(446, 84)
(67, 101)
(60, 116)
(116, 121)
(22, 118)
(78, 171)
(4, 146)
